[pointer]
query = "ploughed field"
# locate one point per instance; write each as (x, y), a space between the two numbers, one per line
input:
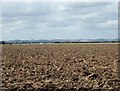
(60, 66)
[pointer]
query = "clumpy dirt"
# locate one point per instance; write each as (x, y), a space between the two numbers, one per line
(60, 66)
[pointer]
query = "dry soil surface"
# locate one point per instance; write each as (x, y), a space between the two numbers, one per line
(60, 66)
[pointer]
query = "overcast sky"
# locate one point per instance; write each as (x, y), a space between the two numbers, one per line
(48, 20)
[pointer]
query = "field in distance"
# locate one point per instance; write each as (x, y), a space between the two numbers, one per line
(60, 66)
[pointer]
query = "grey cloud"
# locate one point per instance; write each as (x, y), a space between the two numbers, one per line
(93, 12)
(85, 8)
(23, 9)
(58, 18)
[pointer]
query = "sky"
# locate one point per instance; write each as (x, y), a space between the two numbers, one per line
(59, 20)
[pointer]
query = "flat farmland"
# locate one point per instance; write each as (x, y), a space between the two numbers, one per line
(60, 66)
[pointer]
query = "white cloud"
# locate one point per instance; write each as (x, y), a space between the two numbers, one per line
(50, 20)
(111, 24)
(59, 0)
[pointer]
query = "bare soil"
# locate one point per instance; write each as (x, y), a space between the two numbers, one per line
(60, 66)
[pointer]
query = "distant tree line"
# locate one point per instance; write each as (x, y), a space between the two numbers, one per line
(3, 42)
(25, 42)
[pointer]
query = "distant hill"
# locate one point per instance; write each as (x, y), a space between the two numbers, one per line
(58, 41)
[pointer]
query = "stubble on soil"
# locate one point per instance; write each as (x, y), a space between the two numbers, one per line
(60, 66)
